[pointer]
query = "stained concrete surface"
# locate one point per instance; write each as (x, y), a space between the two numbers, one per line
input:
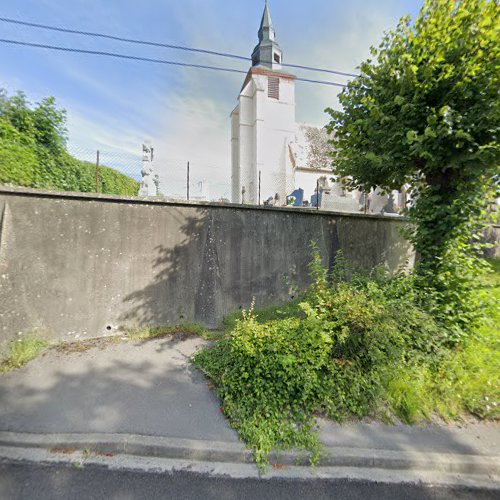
(133, 387)
(74, 265)
(151, 388)
(462, 439)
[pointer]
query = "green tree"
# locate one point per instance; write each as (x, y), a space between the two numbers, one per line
(50, 125)
(33, 151)
(425, 113)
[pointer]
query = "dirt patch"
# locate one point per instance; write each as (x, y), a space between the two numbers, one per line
(81, 346)
(63, 451)
(104, 453)
(181, 336)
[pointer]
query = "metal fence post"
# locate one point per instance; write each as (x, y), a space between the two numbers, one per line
(97, 172)
(187, 186)
(317, 194)
(259, 188)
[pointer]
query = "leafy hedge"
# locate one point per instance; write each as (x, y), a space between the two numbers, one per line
(33, 166)
(33, 151)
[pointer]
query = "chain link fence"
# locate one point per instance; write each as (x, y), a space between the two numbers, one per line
(142, 173)
(111, 171)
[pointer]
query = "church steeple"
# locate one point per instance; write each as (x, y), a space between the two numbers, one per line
(266, 30)
(267, 53)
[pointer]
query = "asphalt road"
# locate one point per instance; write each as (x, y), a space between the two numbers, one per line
(44, 482)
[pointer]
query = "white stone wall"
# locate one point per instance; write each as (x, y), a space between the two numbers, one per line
(235, 156)
(262, 127)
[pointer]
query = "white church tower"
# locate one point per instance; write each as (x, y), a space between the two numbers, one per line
(262, 124)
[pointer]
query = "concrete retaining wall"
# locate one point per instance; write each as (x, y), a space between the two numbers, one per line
(84, 265)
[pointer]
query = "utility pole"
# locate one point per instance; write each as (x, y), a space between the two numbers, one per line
(187, 186)
(97, 172)
(259, 188)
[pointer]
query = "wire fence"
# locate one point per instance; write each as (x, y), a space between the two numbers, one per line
(111, 171)
(147, 174)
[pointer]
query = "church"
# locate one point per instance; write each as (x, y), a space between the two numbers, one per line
(275, 160)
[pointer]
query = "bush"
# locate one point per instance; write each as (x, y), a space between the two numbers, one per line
(270, 378)
(33, 151)
(34, 166)
(335, 357)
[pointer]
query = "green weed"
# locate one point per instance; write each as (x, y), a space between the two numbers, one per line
(22, 351)
(263, 315)
(355, 345)
(165, 331)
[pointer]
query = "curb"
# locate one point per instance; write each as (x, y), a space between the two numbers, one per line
(131, 444)
(236, 453)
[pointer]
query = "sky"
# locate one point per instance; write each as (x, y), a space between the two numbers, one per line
(115, 105)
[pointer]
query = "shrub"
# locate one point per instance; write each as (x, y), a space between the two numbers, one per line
(33, 151)
(34, 166)
(335, 357)
(270, 378)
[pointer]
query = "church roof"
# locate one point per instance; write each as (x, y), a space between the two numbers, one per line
(310, 150)
(259, 70)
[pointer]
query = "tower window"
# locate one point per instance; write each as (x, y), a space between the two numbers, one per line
(277, 58)
(273, 87)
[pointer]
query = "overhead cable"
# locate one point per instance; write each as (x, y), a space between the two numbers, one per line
(148, 59)
(164, 45)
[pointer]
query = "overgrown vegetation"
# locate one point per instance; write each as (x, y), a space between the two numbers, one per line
(465, 379)
(33, 151)
(153, 332)
(361, 345)
(425, 114)
(263, 315)
(22, 351)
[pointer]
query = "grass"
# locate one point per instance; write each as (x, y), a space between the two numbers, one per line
(264, 315)
(465, 381)
(155, 332)
(22, 351)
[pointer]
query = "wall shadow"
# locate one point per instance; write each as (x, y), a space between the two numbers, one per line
(210, 262)
(138, 388)
(175, 274)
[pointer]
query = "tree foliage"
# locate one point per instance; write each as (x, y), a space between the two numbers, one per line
(425, 113)
(33, 151)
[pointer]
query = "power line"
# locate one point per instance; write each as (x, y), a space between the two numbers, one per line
(148, 59)
(164, 45)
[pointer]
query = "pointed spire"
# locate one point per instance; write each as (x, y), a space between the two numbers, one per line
(266, 18)
(266, 30)
(267, 53)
